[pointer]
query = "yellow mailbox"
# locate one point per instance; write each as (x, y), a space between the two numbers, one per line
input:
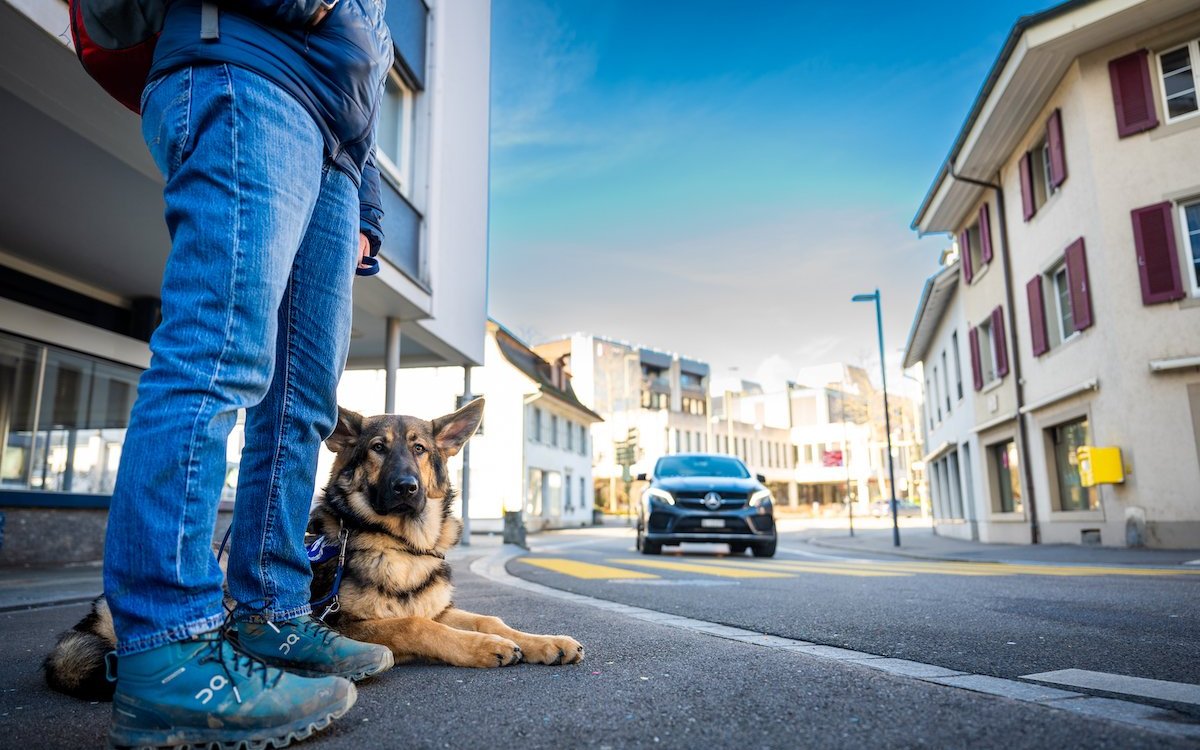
(1099, 465)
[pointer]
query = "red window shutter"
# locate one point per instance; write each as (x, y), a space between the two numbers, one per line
(1133, 96)
(964, 250)
(1000, 344)
(1027, 186)
(976, 370)
(985, 234)
(1158, 263)
(1058, 157)
(1081, 292)
(1037, 316)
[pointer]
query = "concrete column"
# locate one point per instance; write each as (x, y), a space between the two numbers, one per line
(465, 490)
(391, 356)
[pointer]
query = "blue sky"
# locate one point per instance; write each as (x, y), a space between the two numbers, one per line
(720, 178)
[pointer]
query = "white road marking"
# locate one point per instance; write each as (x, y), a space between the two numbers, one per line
(1139, 715)
(1176, 692)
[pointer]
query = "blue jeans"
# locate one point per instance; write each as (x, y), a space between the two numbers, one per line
(256, 310)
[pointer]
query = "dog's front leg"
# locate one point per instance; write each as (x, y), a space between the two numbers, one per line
(538, 649)
(421, 638)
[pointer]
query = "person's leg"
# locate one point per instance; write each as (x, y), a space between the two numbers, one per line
(268, 570)
(242, 162)
(223, 139)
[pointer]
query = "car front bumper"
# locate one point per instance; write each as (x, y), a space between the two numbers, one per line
(668, 524)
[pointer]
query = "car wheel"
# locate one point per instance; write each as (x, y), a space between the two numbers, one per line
(764, 549)
(651, 548)
(738, 549)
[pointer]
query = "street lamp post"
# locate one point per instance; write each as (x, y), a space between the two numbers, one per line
(887, 418)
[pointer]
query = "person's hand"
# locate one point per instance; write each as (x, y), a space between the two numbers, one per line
(364, 250)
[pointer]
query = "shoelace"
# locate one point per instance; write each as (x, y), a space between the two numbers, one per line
(223, 653)
(309, 626)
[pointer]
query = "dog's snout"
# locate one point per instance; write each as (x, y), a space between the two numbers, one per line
(405, 487)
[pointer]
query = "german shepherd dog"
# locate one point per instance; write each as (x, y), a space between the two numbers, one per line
(389, 493)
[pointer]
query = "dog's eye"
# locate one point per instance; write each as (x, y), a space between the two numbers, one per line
(418, 448)
(379, 447)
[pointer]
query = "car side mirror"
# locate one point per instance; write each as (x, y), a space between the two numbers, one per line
(761, 478)
(641, 477)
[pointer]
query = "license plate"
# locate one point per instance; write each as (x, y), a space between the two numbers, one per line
(712, 523)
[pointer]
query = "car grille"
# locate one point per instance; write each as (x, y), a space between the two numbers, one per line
(695, 501)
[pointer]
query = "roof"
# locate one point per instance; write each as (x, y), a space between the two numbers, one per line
(520, 356)
(1038, 52)
(935, 298)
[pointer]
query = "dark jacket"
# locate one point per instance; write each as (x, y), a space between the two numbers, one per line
(336, 70)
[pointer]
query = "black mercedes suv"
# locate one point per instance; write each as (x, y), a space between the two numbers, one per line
(702, 497)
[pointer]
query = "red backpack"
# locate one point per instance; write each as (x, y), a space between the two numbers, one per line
(115, 42)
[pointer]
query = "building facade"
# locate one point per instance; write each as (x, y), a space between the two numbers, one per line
(83, 245)
(1073, 194)
(656, 402)
(938, 340)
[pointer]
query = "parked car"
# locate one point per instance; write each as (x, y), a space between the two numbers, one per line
(881, 508)
(702, 497)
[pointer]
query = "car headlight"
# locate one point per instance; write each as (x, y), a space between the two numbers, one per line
(662, 495)
(762, 497)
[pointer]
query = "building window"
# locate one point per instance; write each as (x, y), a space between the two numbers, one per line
(975, 247)
(937, 396)
(71, 440)
(570, 436)
(554, 429)
(987, 352)
(1043, 184)
(1066, 439)
(946, 380)
(537, 425)
(1178, 74)
(533, 493)
(396, 133)
(1063, 313)
(1189, 219)
(957, 365)
(1006, 464)
(583, 449)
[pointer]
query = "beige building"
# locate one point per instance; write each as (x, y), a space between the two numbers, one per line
(1073, 192)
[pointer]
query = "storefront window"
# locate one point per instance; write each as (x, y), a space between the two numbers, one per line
(1008, 476)
(1072, 495)
(69, 439)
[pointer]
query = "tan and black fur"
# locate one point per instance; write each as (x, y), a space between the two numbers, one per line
(390, 489)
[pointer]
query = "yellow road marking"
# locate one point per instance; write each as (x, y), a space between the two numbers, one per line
(990, 569)
(801, 567)
(577, 569)
(711, 570)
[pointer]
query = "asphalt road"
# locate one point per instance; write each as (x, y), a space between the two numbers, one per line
(960, 616)
(643, 685)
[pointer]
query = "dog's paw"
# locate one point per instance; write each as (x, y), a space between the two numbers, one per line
(553, 650)
(485, 651)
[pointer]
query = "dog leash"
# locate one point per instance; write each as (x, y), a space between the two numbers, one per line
(334, 600)
(314, 556)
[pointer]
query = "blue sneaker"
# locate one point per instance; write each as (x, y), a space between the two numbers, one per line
(306, 646)
(203, 693)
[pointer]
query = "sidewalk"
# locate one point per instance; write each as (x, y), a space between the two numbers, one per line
(922, 543)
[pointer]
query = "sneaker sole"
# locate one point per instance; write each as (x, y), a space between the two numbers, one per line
(196, 738)
(387, 663)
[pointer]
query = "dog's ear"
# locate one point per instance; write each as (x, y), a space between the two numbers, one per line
(452, 430)
(345, 434)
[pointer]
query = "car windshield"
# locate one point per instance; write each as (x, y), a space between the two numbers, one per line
(700, 466)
